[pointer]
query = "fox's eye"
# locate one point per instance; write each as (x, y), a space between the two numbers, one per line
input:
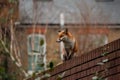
(59, 31)
(61, 35)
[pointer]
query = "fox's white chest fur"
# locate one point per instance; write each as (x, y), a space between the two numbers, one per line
(69, 44)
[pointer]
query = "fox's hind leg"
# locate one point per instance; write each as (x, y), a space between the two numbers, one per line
(71, 55)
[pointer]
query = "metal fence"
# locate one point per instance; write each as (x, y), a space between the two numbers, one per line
(102, 63)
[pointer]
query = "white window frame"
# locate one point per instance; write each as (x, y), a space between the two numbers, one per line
(36, 54)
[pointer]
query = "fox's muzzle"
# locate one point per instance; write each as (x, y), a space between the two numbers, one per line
(58, 40)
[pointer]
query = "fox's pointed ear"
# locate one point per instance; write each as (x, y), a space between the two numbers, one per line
(59, 31)
(66, 30)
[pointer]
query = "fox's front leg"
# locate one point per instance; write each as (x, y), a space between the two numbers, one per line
(64, 57)
(67, 53)
(71, 55)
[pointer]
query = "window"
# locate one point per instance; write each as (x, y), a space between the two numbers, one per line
(34, 44)
(44, 0)
(104, 0)
(36, 52)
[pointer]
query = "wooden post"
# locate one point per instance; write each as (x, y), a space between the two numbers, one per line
(61, 26)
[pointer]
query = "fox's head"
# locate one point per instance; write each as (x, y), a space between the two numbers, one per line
(63, 35)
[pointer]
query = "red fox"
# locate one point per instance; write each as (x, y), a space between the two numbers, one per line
(69, 42)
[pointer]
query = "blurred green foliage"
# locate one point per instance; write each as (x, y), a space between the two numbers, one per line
(51, 65)
(3, 20)
(41, 42)
(59, 77)
(13, 1)
(11, 11)
(4, 74)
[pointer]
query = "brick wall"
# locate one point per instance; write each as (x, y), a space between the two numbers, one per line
(85, 66)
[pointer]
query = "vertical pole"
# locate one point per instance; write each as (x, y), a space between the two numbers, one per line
(61, 26)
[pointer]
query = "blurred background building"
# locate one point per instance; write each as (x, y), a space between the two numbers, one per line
(93, 23)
